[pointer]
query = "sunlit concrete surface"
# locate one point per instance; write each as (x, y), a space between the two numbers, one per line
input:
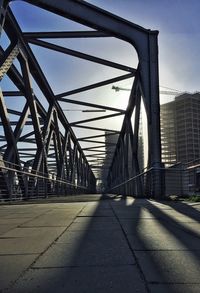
(94, 244)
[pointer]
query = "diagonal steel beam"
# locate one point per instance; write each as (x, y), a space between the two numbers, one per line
(97, 128)
(57, 137)
(17, 79)
(93, 147)
(34, 114)
(7, 127)
(81, 55)
(8, 57)
(17, 132)
(100, 151)
(95, 136)
(91, 105)
(96, 141)
(10, 138)
(95, 119)
(97, 155)
(95, 85)
(42, 153)
(3, 9)
(22, 138)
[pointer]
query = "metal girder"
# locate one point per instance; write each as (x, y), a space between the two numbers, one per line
(97, 141)
(12, 93)
(93, 147)
(95, 85)
(10, 140)
(9, 55)
(74, 164)
(63, 161)
(91, 105)
(41, 153)
(95, 136)
(81, 55)
(23, 137)
(7, 127)
(97, 128)
(31, 101)
(3, 10)
(95, 119)
(59, 144)
(96, 155)
(64, 34)
(17, 132)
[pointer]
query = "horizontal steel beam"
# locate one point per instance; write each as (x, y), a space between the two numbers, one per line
(91, 105)
(65, 34)
(12, 93)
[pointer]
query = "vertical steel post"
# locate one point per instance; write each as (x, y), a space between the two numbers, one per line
(150, 87)
(3, 8)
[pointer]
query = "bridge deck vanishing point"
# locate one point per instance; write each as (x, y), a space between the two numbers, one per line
(98, 244)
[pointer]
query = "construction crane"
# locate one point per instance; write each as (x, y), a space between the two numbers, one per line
(163, 92)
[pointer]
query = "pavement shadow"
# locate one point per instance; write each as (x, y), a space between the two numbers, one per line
(166, 249)
(185, 209)
(92, 255)
(116, 243)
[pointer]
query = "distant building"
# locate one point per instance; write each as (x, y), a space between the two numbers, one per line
(168, 133)
(111, 141)
(180, 129)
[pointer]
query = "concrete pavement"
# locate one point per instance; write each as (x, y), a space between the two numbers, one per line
(96, 245)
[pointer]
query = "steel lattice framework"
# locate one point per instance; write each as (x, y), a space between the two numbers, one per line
(52, 150)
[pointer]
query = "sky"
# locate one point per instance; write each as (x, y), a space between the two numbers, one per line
(178, 24)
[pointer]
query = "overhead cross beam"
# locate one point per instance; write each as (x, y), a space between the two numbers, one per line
(64, 34)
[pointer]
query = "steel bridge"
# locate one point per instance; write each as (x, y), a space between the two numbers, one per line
(40, 153)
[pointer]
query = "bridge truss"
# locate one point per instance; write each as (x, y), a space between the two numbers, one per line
(54, 161)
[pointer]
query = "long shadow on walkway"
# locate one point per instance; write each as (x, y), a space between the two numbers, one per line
(121, 245)
(166, 246)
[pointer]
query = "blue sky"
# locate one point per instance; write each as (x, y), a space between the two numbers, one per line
(178, 23)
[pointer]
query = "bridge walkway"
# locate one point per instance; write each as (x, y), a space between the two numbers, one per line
(95, 243)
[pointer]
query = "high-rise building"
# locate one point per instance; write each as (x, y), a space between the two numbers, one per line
(111, 141)
(168, 133)
(180, 129)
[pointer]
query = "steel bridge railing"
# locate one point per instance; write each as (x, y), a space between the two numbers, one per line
(16, 184)
(174, 181)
